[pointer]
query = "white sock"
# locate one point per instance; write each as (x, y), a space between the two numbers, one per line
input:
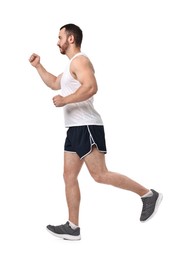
(72, 225)
(148, 194)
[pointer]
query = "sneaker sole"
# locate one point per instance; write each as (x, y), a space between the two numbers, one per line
(65, 236)
(158, 202)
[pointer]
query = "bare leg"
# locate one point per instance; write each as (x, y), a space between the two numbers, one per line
(96, 165)
(72, 167)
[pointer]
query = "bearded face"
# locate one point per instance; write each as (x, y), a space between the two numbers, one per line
(63, 42)
(63, 48)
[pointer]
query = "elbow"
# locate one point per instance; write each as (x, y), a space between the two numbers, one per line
(54, 87)
(91, 93)
(94, 90)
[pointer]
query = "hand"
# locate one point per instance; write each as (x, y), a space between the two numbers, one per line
(58, 101)
(34, 60)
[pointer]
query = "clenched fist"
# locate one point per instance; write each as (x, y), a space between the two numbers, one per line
(34, 60)
(58, 101)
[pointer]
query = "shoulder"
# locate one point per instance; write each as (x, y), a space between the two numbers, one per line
(81, 58)
(81, 61)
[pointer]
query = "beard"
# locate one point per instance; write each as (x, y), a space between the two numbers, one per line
(64, 47)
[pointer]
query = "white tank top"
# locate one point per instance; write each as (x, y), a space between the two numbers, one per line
(80, 113)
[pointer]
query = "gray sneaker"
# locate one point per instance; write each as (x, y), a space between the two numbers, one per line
(150, 205)
(65, 231)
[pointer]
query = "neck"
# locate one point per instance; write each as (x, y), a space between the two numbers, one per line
(73, 52)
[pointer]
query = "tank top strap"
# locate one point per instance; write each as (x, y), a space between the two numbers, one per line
(77, 54)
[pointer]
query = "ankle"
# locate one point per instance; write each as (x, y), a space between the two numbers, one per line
(72, 225)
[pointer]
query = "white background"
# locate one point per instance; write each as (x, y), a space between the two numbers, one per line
(137, 48)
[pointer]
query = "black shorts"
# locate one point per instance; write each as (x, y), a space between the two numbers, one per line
(80, 139)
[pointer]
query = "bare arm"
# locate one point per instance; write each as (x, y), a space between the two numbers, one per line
(49, 79)
(82, 70)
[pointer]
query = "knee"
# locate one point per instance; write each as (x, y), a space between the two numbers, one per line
(68, 177)
(65, 177)
(98, 177)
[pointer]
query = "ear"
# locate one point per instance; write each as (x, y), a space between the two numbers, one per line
(71, 38)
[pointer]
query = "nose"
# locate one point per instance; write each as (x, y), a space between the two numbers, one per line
(58, 43)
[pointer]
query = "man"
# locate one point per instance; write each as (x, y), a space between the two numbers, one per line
(85, 140)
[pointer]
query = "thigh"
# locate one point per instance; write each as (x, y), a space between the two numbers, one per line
(72, 164)
(95, 162)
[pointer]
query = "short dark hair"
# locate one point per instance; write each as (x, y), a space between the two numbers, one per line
(75, 31)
